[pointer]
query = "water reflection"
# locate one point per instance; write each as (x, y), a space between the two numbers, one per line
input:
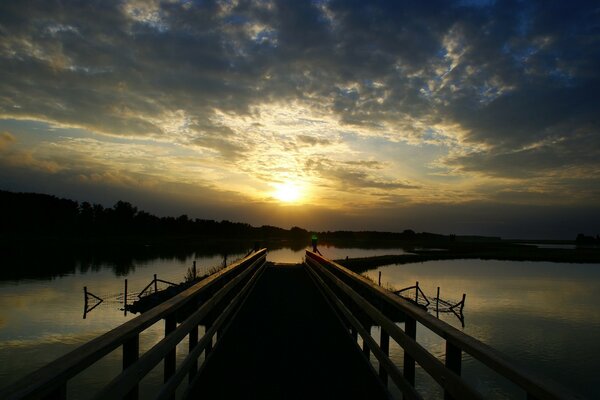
(54, 260)
(543, 315)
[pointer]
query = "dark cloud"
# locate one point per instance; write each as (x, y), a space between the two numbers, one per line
(525, 71)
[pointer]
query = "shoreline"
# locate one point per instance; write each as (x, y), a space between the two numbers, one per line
(511, 253)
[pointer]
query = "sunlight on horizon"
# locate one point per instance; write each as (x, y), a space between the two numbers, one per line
(287, 192)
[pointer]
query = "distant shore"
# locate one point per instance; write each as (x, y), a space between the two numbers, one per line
(505, 251)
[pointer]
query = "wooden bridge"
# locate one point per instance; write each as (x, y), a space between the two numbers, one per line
(283, 331)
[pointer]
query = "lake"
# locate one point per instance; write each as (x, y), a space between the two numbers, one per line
(543, 315)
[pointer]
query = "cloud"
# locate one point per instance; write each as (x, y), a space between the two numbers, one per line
(267, 91)
(313, 141)
(124, 68)
(353, 175)
(6, 140)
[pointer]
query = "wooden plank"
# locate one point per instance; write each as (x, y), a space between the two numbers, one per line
(50, 377)
(530, 381)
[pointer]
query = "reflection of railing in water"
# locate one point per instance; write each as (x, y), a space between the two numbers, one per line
(86, 304)
(415, 295)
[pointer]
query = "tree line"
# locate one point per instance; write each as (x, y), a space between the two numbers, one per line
(33, 214)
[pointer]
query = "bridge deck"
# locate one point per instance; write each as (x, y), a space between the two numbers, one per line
(286, 343)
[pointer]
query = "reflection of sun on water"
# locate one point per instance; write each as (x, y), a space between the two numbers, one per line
(287, 192)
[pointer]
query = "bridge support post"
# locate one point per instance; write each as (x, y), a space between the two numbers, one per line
(384, 344)
(453, 363)
(410, 328)
(131, 351)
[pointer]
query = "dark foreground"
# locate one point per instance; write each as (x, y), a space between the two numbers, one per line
(286, 343)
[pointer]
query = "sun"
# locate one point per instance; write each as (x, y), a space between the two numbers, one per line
(287, 192)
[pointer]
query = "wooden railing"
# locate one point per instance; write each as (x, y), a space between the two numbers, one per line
(50, 381)
(342, 286)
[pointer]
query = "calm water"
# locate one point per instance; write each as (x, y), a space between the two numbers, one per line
(541, 314)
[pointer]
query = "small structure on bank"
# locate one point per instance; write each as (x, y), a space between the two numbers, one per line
(415, 295)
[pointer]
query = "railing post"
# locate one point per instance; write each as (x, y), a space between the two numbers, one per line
(155, 284)
(209, 343)
(131, 351)
(384, 344)
(193, 340)
(410, 328)
(170, 358)
(453, 362)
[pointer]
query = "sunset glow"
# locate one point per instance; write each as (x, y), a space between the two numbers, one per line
(287, 192)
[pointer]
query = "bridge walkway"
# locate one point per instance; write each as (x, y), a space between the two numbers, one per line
(287, 343)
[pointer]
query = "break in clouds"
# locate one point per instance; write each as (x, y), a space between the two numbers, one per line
(499, 98)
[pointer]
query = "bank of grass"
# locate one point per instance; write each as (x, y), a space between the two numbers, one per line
(498, 251)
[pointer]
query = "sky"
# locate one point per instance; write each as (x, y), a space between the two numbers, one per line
(465, 117)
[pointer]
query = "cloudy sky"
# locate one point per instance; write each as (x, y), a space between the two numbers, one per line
(468, 117)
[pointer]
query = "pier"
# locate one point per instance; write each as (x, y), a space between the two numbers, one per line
(261, 330)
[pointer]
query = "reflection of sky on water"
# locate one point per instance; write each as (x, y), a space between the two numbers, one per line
(41, 320)
(330, 252)
(540, 314)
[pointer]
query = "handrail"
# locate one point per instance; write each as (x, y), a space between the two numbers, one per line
(408, 391)
(449, 380)
(123, 383)
(457, 341)
(51, 379)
